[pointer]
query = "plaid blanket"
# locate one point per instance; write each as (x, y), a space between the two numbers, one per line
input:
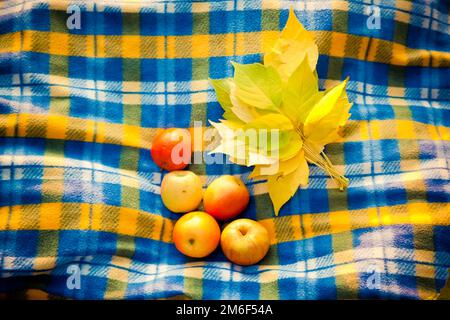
(80, 211)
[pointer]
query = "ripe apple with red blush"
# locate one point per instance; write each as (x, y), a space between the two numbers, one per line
(226, 197)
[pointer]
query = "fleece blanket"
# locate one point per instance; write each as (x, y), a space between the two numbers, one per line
(85, 85)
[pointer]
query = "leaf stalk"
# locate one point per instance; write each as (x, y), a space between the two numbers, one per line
(321, 160)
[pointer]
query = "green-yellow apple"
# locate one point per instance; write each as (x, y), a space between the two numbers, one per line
(181, 191)
(245, 241)
(226, 197)
(196, 234)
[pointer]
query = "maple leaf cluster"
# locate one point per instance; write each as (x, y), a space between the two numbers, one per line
(277, 119)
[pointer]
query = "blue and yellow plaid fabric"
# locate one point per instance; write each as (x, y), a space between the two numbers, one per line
(78, 109)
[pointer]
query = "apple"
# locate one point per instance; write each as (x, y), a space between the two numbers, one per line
(171, 149)
(245, 241)
(181, 191)
(196, 234)
(226, 197)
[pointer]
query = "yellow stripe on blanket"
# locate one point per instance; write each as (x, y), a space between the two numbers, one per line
(69, 128)
(193, 46)
(132, 222)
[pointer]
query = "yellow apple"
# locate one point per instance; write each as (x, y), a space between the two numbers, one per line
(226, 197)
(181, 191)
(245, 241)
(196, 234)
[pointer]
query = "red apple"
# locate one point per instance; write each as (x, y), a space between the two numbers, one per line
(171, 149)
(226, 197)
(196, 234)
(245, 242)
